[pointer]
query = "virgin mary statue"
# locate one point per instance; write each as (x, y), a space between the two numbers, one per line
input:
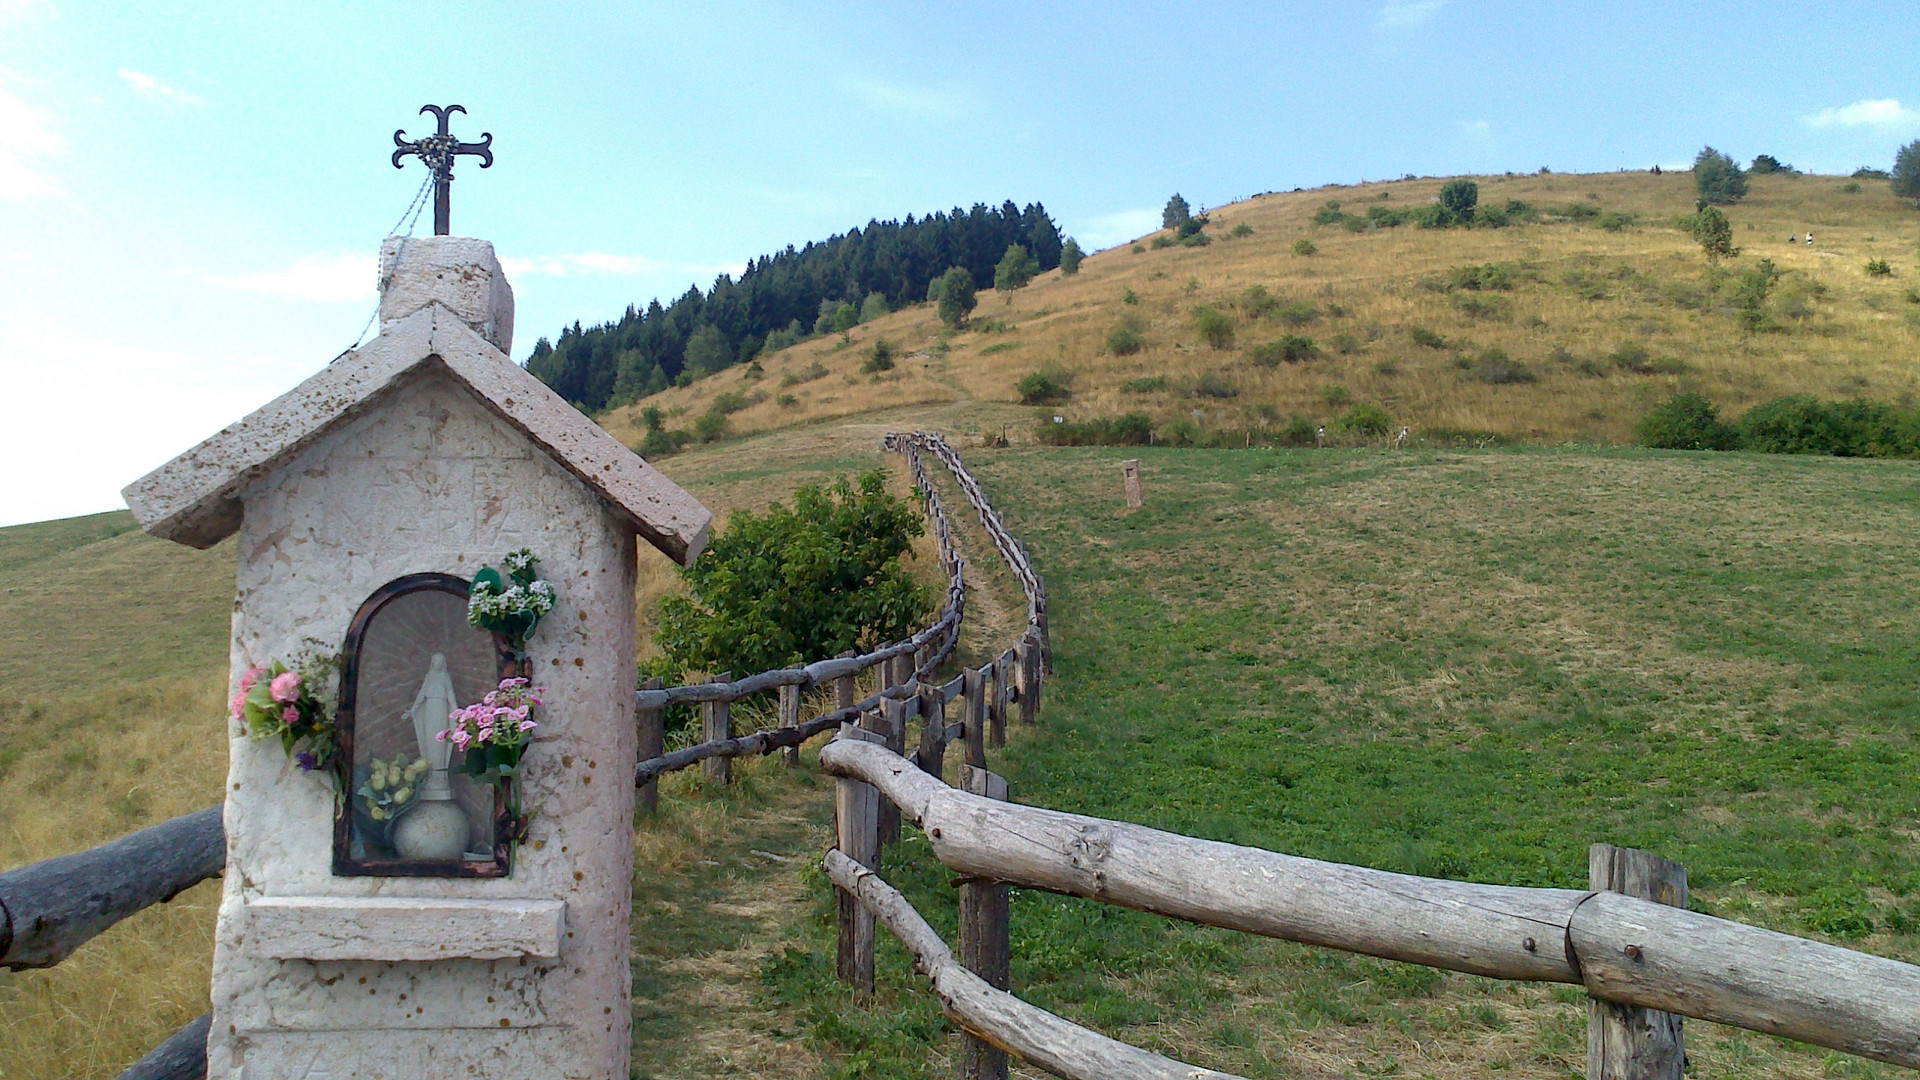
(431, 714)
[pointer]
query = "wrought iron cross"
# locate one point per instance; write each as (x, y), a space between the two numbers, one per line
(438, 152)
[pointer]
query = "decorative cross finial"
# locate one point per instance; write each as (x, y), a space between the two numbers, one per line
(438, 152)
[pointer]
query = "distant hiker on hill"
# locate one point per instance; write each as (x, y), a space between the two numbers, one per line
(1320, 436)
(1809, 239)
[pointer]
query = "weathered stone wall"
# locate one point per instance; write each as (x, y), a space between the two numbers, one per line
(429, 479)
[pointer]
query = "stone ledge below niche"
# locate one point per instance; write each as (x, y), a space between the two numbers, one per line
(403, 928)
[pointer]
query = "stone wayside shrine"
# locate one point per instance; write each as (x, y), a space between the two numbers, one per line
(429, 873)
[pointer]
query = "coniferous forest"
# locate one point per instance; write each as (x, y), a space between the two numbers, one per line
(784, 297)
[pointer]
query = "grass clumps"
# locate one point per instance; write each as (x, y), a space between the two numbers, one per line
(1214, 385)
(1304, 247)
(1426, 339)
(1148, 384)
(1495, 368)
(1126, 339)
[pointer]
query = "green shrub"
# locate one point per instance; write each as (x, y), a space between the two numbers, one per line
(1686, 421)
(1129, 297)
(1807, 425)
(1381, 217)
(873, 307)
(1214, 385)
(1336, 396)
(1459, 197)
(1040, 388)
(1257, 302)
(1297, 313)
(1476, 306)
(1070, 258)
(1304, 246)
(1614, 221)
(1214, 326)
(1878, 268)
(1491, 217)
(1633, 357)
(1197, 239)
(1145, 385)
(786, 401)
(1851, 187)
(879, 357)
(1289, 349)
(1329, 214)
(793, 585)
(728, 403)
(1344, 343)
(1366, 419)
(1125, 340)
(1132, 429)
(1427, 338)
(1495, 368)
(709, 426)
(1241, 231)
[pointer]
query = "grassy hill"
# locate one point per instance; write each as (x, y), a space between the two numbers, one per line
(1465, 663)
(1576, 332)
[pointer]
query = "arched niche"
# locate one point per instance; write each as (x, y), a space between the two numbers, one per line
(408, 651)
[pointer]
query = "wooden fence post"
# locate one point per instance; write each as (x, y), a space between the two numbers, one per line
(933, 730)
(893, 725)
(997, 702)
(1130, 479)
(984, 947)
(717, 723)
(973, 696)
(856, 825)
(1027, 665)
(1627, 1042)
(653, 743)
(843, 687)
(790, 718)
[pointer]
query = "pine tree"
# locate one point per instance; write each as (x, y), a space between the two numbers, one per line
(1906, 171)
(1719, 180)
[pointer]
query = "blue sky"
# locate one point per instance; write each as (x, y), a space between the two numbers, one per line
(191, 195)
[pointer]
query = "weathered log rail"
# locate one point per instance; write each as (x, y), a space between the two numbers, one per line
(48, 909)
(1621, 948)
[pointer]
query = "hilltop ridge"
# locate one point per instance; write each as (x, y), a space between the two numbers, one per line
(1566, 325)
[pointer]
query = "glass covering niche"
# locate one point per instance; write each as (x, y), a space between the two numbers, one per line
(411, 658)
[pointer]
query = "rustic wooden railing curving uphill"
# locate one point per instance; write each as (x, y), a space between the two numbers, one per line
(1643, 958)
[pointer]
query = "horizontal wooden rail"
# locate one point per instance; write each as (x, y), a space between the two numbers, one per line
(1057, 1045)
(1620, 948)
(182, 1057)
(48, 909)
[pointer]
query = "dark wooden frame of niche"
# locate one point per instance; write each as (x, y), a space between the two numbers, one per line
(344, 864)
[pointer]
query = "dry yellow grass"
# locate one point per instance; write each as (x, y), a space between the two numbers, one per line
(1858, 337)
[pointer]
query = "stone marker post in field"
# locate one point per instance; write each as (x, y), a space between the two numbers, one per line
(1130, 479)
(398, 902)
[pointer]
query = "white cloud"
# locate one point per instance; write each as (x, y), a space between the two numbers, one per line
(1476, 129)
(339, 278)
(1108, 230)
(1868, 112)
(893, 97)
(27, 141)
(1400, 16)
(147, 86)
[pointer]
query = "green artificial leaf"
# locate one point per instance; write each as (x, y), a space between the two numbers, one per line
(489, 580)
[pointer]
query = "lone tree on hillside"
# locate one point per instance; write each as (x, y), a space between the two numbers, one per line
(1715, 233)
(1459, 197)
(1070, 257)
(1016, 269)
(1767, 163)
(1720, 181)
(1176, 214)
(1906, 171)
(953, 296)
